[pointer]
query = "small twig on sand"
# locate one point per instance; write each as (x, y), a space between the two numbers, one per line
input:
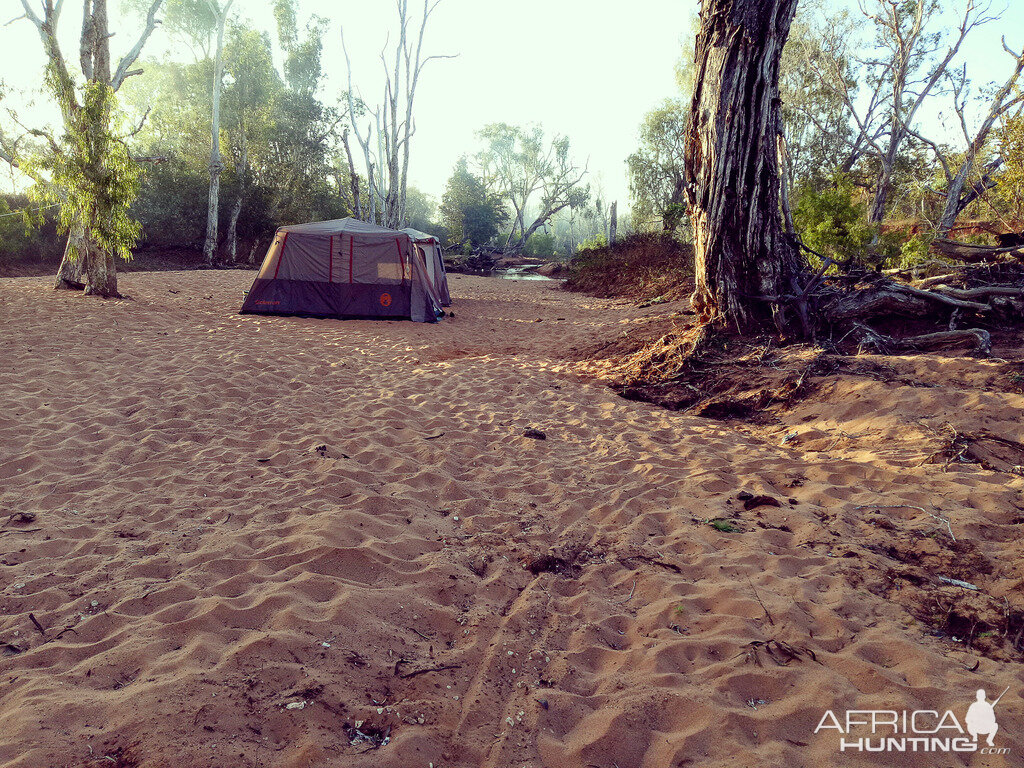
(39, 626)
(631, 591)
(890, 506)
(958, 583)
(416, 672)
(944, 521)
(757, 597)
(425, 637)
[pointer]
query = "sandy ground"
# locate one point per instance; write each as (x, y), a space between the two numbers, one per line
(275, 541)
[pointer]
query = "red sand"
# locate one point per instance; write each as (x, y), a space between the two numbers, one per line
(237, 514)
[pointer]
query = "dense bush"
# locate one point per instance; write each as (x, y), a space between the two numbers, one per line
(641, 266)
(28, 239)
(831, 221)
(540, 245)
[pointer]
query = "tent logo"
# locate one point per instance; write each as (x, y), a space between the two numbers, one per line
(918, 731)
(385, 299)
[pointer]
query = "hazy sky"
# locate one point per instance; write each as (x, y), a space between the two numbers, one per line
(588, 69)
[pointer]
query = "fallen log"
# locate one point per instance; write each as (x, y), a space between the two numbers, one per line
(973, 254)
(872, 340)
(983, 292)
(893, 298)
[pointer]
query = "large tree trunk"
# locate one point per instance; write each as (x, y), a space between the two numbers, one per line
(745, 263)
(100, 271)
(71, 273)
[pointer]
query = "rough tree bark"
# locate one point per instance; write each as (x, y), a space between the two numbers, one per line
(745, 264)
(613, 225)
(71, 273)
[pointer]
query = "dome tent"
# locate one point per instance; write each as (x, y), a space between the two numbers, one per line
(343, 269)
(431, 248)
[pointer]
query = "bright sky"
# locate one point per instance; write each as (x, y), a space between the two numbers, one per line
(588, 69)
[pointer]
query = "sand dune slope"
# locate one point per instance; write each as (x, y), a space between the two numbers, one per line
(277, 541)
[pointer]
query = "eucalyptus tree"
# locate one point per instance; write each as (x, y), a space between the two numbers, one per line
(203, 23)
(386, 138)
(87, 169)
(963, 183)
(469, 212)
(902, 73)
(655, 170)
(219, 10)
(744, 261)
(526, 169)
(249, 101)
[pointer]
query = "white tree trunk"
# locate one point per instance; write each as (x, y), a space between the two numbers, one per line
(216, 162)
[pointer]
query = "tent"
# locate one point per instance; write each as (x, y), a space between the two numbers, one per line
(431, 248)
(344, 269)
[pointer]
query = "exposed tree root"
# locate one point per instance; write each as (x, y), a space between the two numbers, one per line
(873, 341)
(845, 309)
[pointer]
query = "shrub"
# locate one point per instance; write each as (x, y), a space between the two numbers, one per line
(640, 266)
(32, 238)
(832, 221)
(540, 245)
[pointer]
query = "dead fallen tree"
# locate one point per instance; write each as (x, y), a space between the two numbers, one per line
(958, 314)
(858, 310)
(975, 254)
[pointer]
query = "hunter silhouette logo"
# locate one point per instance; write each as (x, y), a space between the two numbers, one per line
(981, 717)
(385, 299)
(920, 730)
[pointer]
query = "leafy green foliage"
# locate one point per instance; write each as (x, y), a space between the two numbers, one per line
(541, 245)
(832, 221)
(655, 170)
(302, 69)
(818, 129)
(469, 213)
(277, 139)
(90, 171)
(593, 243)
(1010, 192)
(900, 248)
(26, 233)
